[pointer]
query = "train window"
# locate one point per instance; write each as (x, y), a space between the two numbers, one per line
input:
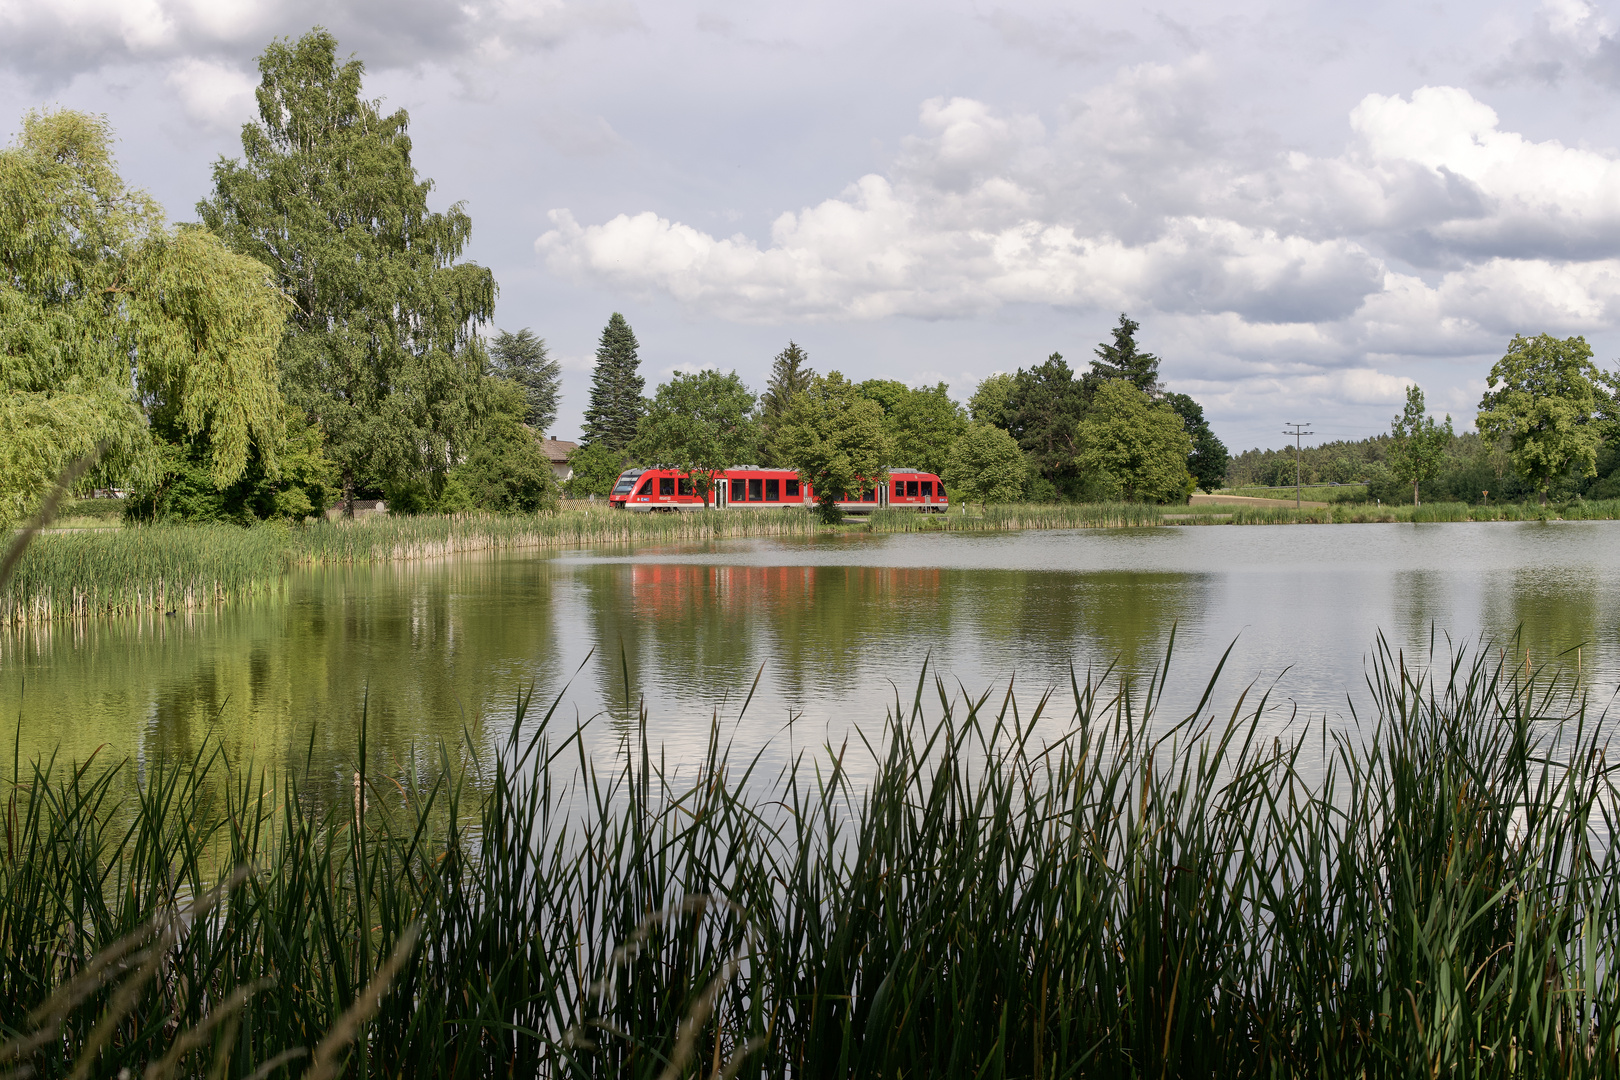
(646, 487)
(793, 489)
(866, 495)
(773, 491)
(928, 489)
(911, 489)
(940, 490)
(666, 485)
(899, 489)
(754, 492)
(684, 487)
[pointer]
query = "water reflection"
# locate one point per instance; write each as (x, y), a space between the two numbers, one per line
(439, 651)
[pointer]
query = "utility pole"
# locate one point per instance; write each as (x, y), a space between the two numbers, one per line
(1297, 434)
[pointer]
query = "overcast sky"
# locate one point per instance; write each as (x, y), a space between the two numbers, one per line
(1306, 206)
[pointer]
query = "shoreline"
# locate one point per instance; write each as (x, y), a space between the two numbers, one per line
(166, 569)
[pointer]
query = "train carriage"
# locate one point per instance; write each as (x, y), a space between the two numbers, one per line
(750, 487)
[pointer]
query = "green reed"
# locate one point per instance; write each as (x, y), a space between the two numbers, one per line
(1008, 517)
(140, 569)
(1075, 886)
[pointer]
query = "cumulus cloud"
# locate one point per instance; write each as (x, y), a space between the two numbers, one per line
(1433, 232)
(53, 42)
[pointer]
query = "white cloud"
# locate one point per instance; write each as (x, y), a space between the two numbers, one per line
(57, 40)
(214, 94)
(1432, 233)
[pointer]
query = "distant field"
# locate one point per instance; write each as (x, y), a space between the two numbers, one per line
(1310, 492)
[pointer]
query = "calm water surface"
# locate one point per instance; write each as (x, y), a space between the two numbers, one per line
(832, 628)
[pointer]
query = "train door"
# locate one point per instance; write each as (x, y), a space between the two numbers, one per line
(883, 493)
(720, 493)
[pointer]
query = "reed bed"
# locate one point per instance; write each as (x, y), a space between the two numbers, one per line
(1007, 518)
(1430, 893)
(387, 539)
(140, 569)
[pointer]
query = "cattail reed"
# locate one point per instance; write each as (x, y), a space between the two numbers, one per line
(1073, 885)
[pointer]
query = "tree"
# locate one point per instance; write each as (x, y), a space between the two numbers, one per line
(1209, 459)
(985, 465)
(1139, 446)
(595, 467)
(988, 405)
(1419, 445)
(381, 351)
(790, 376)
(1122, 360)
(922, 424)
(1043, 412)
(107, 314)
(1540, 399)
(836, 440)
(702, 424)
(616, 385)
(522, 358)
(506, 472)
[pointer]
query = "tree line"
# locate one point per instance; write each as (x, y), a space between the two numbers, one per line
(1042, 434)
(316, 337)
(1548, 428)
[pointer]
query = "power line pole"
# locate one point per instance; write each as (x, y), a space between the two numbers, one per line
(1297, 434)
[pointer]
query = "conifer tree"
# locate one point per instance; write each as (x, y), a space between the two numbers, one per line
(616, 386)
(790, 376)
(523, 359)
(1121, 360)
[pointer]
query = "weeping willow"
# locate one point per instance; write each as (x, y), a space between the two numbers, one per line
(109, 314)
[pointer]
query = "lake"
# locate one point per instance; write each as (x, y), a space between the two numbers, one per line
(833, 628)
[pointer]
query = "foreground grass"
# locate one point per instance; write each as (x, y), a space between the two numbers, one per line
(1429, 895)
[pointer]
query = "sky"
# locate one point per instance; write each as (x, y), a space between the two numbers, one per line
(1306, 206)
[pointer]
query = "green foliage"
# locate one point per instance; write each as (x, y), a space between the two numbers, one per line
(94, 288)
(790, 376)
(985, 466)
(299, 482)
(381, 350)
(1043, 412)
(616, 384)
(702, 423)
(1209, 459)
(1139, 446)
(1122, 360)
(922, 424)
(595, 467)
(1417, 444)
(1426, 896)
(522, 358)
(506, 472)
(989, 402)
(1540, 399)
(837, 440)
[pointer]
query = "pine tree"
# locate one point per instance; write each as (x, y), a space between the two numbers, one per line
(790, 376)
(522, 358)
(1122, 361)
(616, 386)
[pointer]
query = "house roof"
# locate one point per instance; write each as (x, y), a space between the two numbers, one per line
(557, 449)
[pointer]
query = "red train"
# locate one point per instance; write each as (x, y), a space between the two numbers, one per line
(749, 487)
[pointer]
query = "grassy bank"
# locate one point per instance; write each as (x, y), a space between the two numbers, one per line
(1427, 897)
(1358, 513)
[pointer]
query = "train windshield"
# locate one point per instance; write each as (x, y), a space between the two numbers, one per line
(626, 482)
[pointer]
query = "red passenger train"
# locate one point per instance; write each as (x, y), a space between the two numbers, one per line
(749, 487)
